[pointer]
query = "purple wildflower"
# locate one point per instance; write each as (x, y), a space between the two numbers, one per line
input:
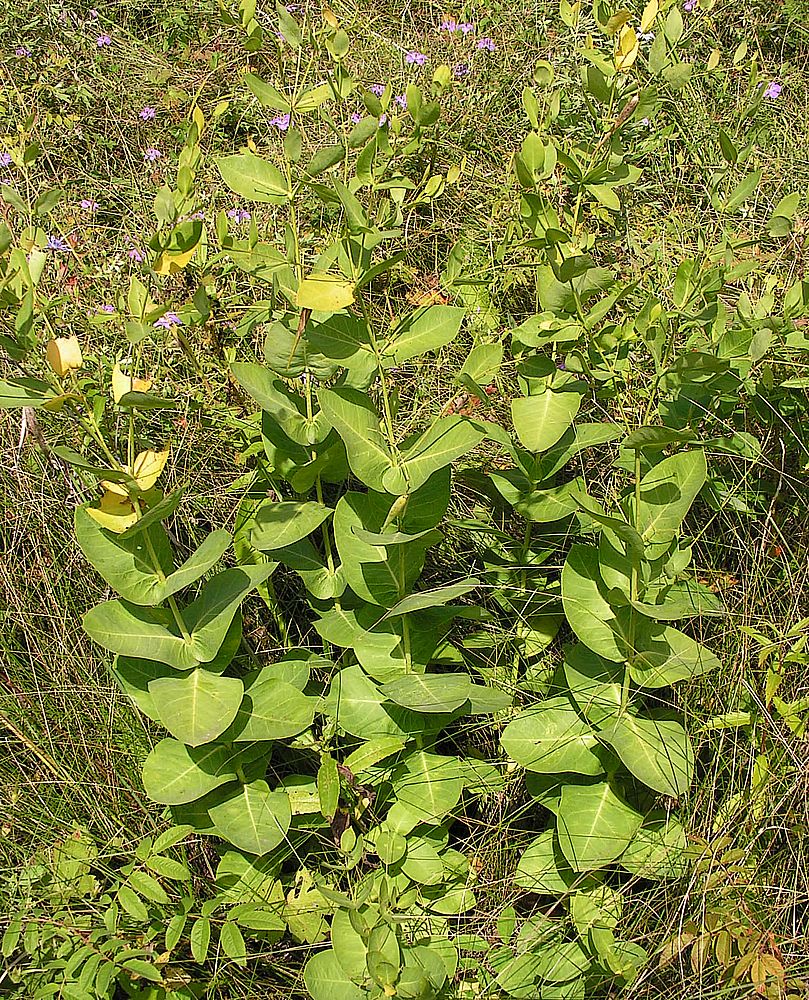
(152, 155)
(168, 321)
(401, 100)
(57, 244)
(377, 89)
(690, 5)
(466, 27)
(281, 122)
(137, 255)
(103, 41)
(773, 90)
(5, 159)
(415, 58)
(462, 69)
(198, 216)
(239, 215)
(449, 25)
(486, 43)
(383, 120)
(148, 114)
(93, 14)
(356, 117)
(88, 205)
(22, 52)
(106, 308)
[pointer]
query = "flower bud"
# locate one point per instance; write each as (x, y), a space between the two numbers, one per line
(63, 354)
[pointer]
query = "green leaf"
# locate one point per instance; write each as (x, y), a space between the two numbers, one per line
(148, 886)
(354, 701)
(595, 683)
(658, 752)
(543, 868)
(174, 774)
(197, 707)
(253, 178)
(325, 979)
(656, 437)
(429, 692)
(447, 439)
(32, 392)
(372, 752)
(354, 418)
(594, 825)
(744, 189)
(482, 364)
(666, 494)
(200, 938)
(266, 95)
(280, 524)
(125, 561)
(272, 709)
(588, 612)
(670, 656)
(254, 819)
(552, 738)
(328, 786)
(540, 420)
(426, 329)
(427, 786)
(232, 942)
(659, 850)
(432, 598)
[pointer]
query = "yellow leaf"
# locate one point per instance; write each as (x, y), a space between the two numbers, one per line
(618, 20)
(650, 12)
(63, 354)
(626, 49)
(713, 60)
(199, 120)
(324, 293)
(148, 466)
(740, 53)
(122, 384)
(170, 261)
(114, 512)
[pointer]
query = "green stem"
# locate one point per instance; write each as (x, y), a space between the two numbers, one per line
(634, 587)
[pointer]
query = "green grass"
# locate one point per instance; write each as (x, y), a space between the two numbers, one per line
(70, 744)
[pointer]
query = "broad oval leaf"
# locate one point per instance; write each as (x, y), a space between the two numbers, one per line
(253, 178)
(254, 819)
(666, 494)
(283, 523)
(325, 979)
(272, 710)
(594, 825)
(174, 773)
(542, 419)
(657, 751)
(552, 737)
(197, 707)
(429, 692)
(426, 329)
(543, 868)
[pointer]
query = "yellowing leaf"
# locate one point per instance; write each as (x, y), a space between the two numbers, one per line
(114, 512)
(740, 53)
(324, 293)
(650, 12)
(170, 261)
(626, 49)
(617, 21)
(148, 466)
(122, 384)
(63, 354)
(713, 60)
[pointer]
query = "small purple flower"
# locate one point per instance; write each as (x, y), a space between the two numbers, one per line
(383, 120)
(198, 216)
(281, 122)
(377, 89)
(466, 27)
(168, 321)
(356, 117)
(22, 52)
(486, 44)
(103, 41)
(5, 159)
(106, 308)
(689, 5)
(401, 100)
(415, 58)
(57, 244)
(148, 114)
(773, 90)
(152, 155)
(462, 69)
(137, 255)
(93, 14)
(88, 205)
(239, 215)
(449, 25)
